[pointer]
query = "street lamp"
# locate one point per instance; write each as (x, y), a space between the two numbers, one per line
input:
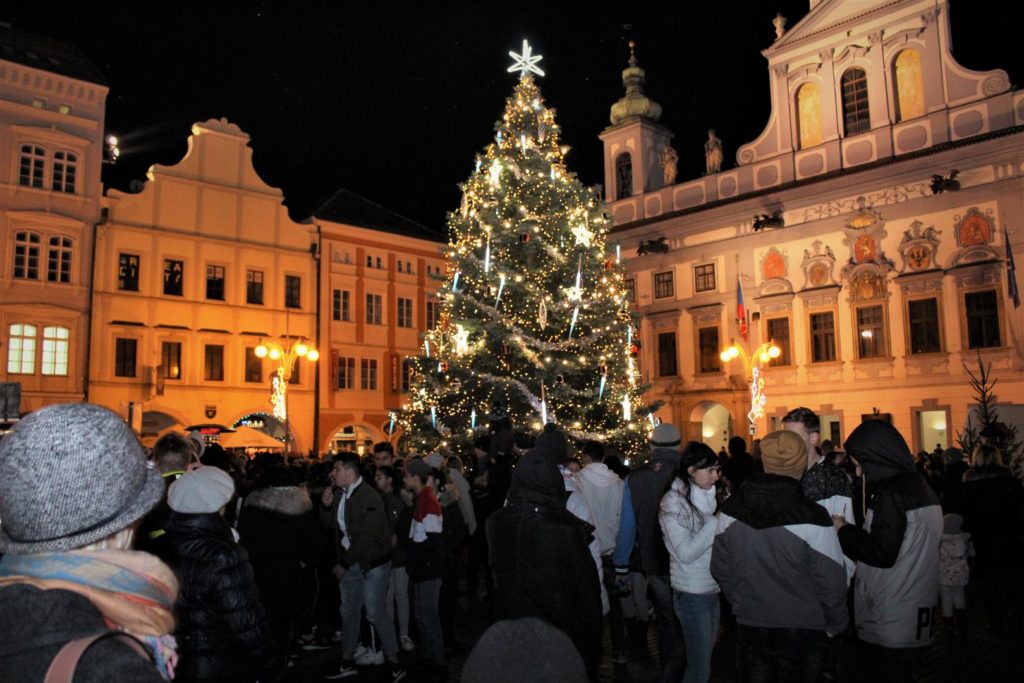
(288, 356)
(752, 365)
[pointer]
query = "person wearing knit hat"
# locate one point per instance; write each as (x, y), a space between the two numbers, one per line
(74, 483)
(777, 559)
(515, 650)
(223, 632)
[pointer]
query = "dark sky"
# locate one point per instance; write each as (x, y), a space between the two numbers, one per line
(393, 99)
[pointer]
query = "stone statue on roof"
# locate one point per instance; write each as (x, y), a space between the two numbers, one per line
(713, 153)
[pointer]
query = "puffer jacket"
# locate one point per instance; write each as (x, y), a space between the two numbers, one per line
(222, 633)
(689, 536)
(897, 551)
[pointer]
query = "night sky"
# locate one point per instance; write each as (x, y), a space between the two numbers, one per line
(392, 100)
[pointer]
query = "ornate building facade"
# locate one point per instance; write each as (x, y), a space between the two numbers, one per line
(868, 227)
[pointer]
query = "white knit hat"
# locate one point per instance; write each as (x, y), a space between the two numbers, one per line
(201, 491)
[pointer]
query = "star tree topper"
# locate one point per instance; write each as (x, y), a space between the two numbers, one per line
(525, 63)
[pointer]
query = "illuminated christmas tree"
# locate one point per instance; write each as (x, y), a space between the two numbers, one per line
(534, 318)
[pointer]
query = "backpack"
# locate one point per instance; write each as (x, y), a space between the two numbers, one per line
(62, 668)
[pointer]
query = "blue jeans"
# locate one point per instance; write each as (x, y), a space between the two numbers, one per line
(428, 619)
(774, 655)
(699, 616)
(369, 589)
(670, 636)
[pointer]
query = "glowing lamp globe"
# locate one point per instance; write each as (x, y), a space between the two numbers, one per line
(275, 353)
(260, 351)
(301, 349)
(313, 355)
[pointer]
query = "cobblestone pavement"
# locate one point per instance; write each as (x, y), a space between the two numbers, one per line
(980, 656)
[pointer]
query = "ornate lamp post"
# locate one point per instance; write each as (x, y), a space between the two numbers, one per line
(752, 366)
(286, 356)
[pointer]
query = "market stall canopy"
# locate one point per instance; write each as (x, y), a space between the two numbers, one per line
(247, 437)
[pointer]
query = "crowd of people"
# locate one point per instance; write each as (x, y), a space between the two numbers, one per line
(193, 564)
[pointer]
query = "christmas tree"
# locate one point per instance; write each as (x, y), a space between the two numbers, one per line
(534, 320)
(989, 429)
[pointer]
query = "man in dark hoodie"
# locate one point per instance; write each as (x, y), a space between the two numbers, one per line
(896, 593)
(539, 558)
(777, 559)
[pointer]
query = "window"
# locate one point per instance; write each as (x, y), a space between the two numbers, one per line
(663, 285)
(923, 323)
(631, 290)
(433, 313)
(128, 272)
(65, 168)
(254, 287)
(982, 309)
(345, 374)
(368, 380)
(342, 305)
(58, 262)
(408, 370)
(55, 351)
(294, 377)
(379, 266)
(292, 291)
(623, 176)
(707, 341)
(808, 106)
(909, 85)
(667, 354)
(170, 358)
(369, 261)
(253, 366)
(31, 171)
(213, 366)
(404, 312)
(778, 333)
(373, 309)
(823, 337)
(871, 332)
(174, 274)
(125, 352)
(855, 102)
(704, 278)
(26, 255)
(21, 350)
(215, 282)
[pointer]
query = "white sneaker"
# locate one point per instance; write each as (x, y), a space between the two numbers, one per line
(369, 657)
(407, 643)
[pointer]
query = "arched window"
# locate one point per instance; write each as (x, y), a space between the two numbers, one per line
(909, 85)
(58, 262)
(21, 349)
(623, 176)
(808, 107)
(856, 118)
(31, 171)
(55, 350)
(26, 255)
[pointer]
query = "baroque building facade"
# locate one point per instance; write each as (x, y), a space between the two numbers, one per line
(869, 228)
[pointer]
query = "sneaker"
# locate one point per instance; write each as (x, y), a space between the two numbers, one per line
(346, 670)
(315, 647)
(407, 643)
(369, 657)
(397, 673)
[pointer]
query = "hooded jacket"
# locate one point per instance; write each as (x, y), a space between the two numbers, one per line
(602, 490)
(777, 558)
(689, 534)
(897, 551)
(539, 557)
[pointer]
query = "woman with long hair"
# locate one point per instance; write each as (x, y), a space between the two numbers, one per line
(688, 524)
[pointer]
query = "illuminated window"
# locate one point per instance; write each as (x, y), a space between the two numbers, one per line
(128, 272)
(170, 358)
(21, 349)
(909, 85)
(704, 278)
(253, 366)
(707, 340)
(65, 169)
(404, 312)
(923, 322)
(823, 337)
(292, 291)
(26, 256)
(345, 374)
(982, 310)
(778, 333)
(55, 351)
(664, 285)
(667, 366)
(125, 352)
(871, 332)
(33, 158)
(623, 176)
(368, 379)
(855, 102)
(215, 283)
(808, 107)
(373, 309)
(174, 275)
(254, 287)
(213, 366)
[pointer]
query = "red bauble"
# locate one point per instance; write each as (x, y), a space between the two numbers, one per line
(634, 350)
(524, 238)
(609, 264)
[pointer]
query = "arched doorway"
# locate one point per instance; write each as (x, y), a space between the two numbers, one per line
(714, 422)
(155, 421)
(264, 422)
(355, 438)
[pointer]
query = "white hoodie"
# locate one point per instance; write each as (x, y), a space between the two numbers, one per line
(602, 489)
(689, 540)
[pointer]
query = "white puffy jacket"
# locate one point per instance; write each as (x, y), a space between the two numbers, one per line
(689, 540)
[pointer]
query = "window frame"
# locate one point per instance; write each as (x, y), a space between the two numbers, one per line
(713, 355)
(374, 309)
(909, 325)
(26, 349)
(122, 279)
(785, 358)
(623, 175)
(293, 291)
(659, 282)
(171, 350)
(433, 314)
(854, 101)
(169, 285)
(55, 348)
(254, 293)
(368, 375)
(223, 281)
(27, 257)
(668, 358)
(345, 369)
(403, 312)
(32, 157)
(213, 362)
(701, 278)
(126, 348)
(965, 317)
(68, 167)
(811, 338)
(253, 370)
(881, 340)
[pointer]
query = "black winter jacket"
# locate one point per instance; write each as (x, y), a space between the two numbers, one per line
(647, 484)
(222, 633)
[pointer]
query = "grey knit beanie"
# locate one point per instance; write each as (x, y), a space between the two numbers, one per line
(201, 491)
(70, 475)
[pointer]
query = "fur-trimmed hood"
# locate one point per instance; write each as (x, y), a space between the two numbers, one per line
(287, 500)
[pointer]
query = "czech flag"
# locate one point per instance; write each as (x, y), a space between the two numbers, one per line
(741, 310)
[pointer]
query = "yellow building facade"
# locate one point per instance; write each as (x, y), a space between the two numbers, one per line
(52, 108)
(870, 227)
(192, 274)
